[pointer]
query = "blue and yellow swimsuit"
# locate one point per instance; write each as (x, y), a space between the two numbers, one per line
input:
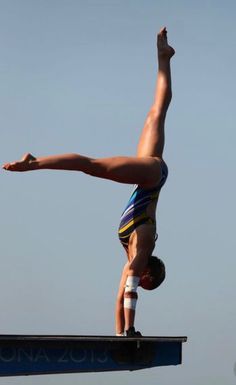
(135, 213)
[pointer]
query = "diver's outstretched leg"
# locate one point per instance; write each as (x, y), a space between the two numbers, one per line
(132, 170)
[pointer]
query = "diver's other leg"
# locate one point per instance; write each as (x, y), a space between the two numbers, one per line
(152, 138)
(123, 169)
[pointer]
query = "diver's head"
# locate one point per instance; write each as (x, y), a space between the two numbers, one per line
(153, 275)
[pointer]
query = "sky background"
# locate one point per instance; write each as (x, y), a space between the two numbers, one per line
(79, 76)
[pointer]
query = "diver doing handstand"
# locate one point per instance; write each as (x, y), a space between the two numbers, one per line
(148, 172)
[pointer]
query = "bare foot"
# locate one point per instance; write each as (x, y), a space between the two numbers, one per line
(25, 164)
(164, 49)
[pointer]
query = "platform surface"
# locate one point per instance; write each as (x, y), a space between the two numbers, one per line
(45, 354)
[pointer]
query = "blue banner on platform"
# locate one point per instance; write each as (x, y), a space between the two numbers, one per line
(24, 357)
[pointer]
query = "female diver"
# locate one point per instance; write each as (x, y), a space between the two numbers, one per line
(148, 172)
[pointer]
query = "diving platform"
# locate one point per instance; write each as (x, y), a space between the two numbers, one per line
(22, 355)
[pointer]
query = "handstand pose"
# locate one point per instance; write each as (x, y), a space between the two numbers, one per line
(148, 171)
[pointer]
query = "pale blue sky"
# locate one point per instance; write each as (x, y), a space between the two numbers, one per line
(78, 76)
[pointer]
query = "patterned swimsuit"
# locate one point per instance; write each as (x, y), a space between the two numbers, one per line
(135, 213)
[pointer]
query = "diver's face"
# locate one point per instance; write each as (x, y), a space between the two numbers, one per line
(146, 279)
